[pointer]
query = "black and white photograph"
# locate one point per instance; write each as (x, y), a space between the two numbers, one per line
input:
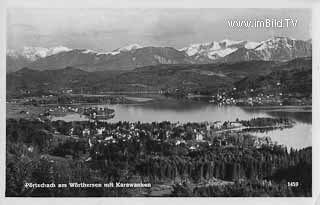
(158, 102)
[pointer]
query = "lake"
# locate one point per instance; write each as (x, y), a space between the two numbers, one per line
(298, 136)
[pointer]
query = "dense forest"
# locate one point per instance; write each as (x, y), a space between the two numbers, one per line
(295, 82)
(44, 152)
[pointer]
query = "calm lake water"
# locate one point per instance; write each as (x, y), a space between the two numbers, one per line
(186, 111)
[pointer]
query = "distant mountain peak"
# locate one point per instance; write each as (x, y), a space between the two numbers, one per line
(33, 53)
(126, 48)
(26, 70)
(275, 42)
(251, 45)
(130, 47)
(229, 42)
(216, 49)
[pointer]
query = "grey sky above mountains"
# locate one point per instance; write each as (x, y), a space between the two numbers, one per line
(109, 29)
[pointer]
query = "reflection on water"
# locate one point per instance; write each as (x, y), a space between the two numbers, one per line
(304, 117)
(185, 111)
(300, 114)
(182, 113)
(71, 117)
(298, 136)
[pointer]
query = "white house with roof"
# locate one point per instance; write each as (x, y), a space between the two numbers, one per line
(100, 130)
(86, 132)
(199, 136)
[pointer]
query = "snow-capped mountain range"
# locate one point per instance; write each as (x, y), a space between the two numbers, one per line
(277, 48)
(134, 55)
(215, 50)
(127, 48)
(34, 53)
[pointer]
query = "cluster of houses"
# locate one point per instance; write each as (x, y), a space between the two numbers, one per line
(262, 99)
(222, 99)
(177, 134)
(65, 109)
(101, 113)
(260, 141)
(253, 97)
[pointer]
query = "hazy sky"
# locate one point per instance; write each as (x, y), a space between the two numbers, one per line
(108, 29)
